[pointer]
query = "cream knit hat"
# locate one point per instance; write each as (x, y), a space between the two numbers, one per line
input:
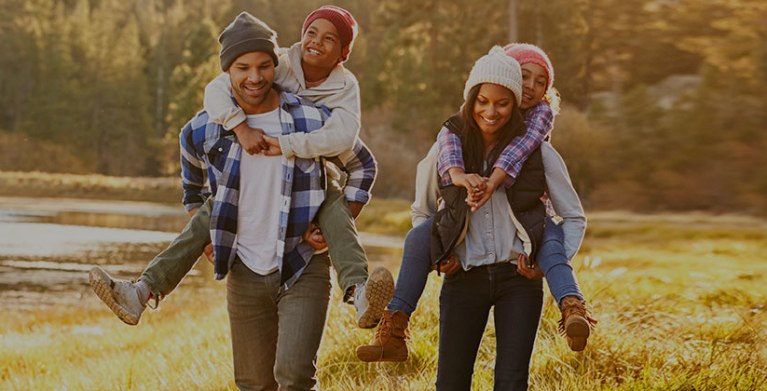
(498, 68)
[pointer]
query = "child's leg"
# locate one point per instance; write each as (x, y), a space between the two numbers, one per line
(414, 270)
(576, 320)
(127, 299)
(344, 247)
(554, 264)
(170, 266)
(371, 292)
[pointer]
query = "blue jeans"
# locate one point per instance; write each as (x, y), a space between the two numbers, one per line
(464, 305)
(414, 270)
(553, 261)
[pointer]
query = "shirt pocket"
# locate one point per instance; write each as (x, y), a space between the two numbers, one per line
(217, 152)
(306, 165)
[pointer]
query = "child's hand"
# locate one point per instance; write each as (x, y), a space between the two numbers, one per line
(274, 146)
(251, 139)
(313, 236)
(472, 182)
(478, 198)
(530, 271)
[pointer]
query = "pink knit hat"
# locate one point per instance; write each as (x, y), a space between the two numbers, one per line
(342, 20)
(526, 53)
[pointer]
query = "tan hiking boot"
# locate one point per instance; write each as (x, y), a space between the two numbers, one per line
(576, 322)
(120, 296)
(390, 342)
(372, 297)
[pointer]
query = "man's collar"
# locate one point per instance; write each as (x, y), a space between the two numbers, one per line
(289, 99)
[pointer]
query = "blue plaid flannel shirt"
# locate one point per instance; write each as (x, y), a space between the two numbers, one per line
(539, 121)
(211, 154)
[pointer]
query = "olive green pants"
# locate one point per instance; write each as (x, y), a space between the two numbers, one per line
(347, 256)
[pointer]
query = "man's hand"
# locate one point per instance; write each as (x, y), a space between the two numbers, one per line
(313, 236)
(528, 271)
(208, 251)
(274, 146)
(251, 139)
(355, 208)
(449, 266)
(192, 212)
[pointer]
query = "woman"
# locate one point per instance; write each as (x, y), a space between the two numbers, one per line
(494, 273)
(489, 271)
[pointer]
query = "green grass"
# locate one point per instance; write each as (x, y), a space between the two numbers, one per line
(681, 302)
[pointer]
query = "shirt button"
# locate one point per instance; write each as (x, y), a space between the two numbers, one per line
(221, 149)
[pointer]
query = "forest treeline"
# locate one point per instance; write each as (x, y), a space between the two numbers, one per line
(664, 101)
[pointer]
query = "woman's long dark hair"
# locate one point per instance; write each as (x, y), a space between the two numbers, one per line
(471, 136)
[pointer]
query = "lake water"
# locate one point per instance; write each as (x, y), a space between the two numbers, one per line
(47, 247)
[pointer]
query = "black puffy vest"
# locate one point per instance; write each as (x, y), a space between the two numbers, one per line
(524, 198)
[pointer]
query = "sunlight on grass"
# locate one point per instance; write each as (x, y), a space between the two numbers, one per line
(680, 299)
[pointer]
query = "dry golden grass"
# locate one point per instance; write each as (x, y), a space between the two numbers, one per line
(681, 303)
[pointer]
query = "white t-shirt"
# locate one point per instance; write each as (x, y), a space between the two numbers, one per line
(258, 216)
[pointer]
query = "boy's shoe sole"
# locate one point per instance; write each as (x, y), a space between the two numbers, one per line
(379, 289)
(102, 285)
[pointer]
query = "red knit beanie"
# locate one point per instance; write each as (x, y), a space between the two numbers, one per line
(526, 53)
(342, 20)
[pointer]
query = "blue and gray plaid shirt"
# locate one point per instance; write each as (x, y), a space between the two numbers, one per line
(208, 151)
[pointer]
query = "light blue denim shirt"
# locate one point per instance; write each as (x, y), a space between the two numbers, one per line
(487, 236)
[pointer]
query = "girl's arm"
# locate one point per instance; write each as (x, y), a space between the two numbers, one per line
(450, 157)
(539, 121)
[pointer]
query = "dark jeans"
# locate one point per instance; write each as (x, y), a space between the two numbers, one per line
(275, 333)
(414, 270)
(465, 303)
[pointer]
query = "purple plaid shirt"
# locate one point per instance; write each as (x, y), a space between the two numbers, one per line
(539, 120)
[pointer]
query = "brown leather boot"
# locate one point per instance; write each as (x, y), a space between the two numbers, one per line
(576, 322)
(390, 341)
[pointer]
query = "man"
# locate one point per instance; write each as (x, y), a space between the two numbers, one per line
(277, 289)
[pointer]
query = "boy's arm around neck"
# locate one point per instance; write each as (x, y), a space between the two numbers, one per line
(340, 131)
(217, 102)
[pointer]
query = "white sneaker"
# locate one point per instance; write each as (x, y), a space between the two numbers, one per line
(119, 295)
(371, 298)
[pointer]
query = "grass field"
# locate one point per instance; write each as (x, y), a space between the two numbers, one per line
(681, 302)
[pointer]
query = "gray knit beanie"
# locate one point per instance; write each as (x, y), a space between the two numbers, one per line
(498, 68)
(244, 35)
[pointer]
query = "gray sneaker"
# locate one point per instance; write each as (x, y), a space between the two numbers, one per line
(119, 295)
(371, 298)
